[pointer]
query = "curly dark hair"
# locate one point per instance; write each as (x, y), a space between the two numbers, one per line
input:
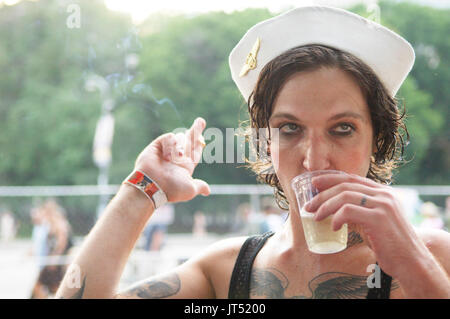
(390, 132)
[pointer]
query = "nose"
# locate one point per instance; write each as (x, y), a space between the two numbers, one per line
(316, 154)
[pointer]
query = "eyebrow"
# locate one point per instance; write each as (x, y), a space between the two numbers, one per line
(346, 114)
(288, 116)
(333, 118)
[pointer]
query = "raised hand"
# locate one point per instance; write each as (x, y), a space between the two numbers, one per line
(374, 209)
(170, 160)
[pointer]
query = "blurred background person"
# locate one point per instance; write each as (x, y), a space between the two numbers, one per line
(199, 225)
(447, 213)
(156, 230)
(8, 226)
(241, 224)
(58, 243)
(431, 216)
(249, 221)
(273, 217)
(39, 235)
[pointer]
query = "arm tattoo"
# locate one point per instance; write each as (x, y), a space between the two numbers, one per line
(156, 288)
(271, 283)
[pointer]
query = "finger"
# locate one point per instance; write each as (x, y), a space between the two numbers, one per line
(333, 204)
(198, 149)
(336, 190)
(195, 131)
(167, 142)
(195, 140)
(202, 187)
(352, 214)
(326, 181)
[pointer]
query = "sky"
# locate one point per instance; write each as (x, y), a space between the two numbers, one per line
(140, 9)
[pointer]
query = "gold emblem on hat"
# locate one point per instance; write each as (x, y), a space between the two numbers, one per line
(250, 62)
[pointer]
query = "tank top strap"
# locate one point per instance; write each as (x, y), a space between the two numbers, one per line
(240, 278)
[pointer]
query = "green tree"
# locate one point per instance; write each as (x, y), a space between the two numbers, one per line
(426, 96)
(47, 117)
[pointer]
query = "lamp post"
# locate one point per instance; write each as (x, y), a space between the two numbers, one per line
(104, 133)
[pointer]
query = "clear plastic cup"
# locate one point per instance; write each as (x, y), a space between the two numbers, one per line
(320, 237)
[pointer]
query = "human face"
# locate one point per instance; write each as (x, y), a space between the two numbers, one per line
(323, 122)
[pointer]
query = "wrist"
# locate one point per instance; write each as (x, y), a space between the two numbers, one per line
(139, 180)
(134, 200)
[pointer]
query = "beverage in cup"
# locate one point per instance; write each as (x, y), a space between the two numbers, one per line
(320, 237)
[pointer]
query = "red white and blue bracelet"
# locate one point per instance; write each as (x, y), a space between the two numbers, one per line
(148, 186)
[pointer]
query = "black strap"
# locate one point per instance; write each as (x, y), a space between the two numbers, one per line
(240, 278)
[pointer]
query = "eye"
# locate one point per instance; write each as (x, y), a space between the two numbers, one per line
(343, 129)
(289, 128)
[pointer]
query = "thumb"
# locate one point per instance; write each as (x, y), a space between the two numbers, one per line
(202, 187)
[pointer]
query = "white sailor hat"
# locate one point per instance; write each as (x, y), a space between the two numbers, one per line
(389, 55)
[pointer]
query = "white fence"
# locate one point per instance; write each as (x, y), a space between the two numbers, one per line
(95, 190)
(254, 191)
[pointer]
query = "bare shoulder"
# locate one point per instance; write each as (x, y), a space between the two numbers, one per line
(224, 249)
(437, 241)
(434, 238)
(218, 263)
(205, 275)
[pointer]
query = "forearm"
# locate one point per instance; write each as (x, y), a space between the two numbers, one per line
(104, 254)
(425, 279)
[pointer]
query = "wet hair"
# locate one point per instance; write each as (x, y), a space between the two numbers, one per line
(389, 131)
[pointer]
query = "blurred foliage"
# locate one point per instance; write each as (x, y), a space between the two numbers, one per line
(163, 74)
(425, 93)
